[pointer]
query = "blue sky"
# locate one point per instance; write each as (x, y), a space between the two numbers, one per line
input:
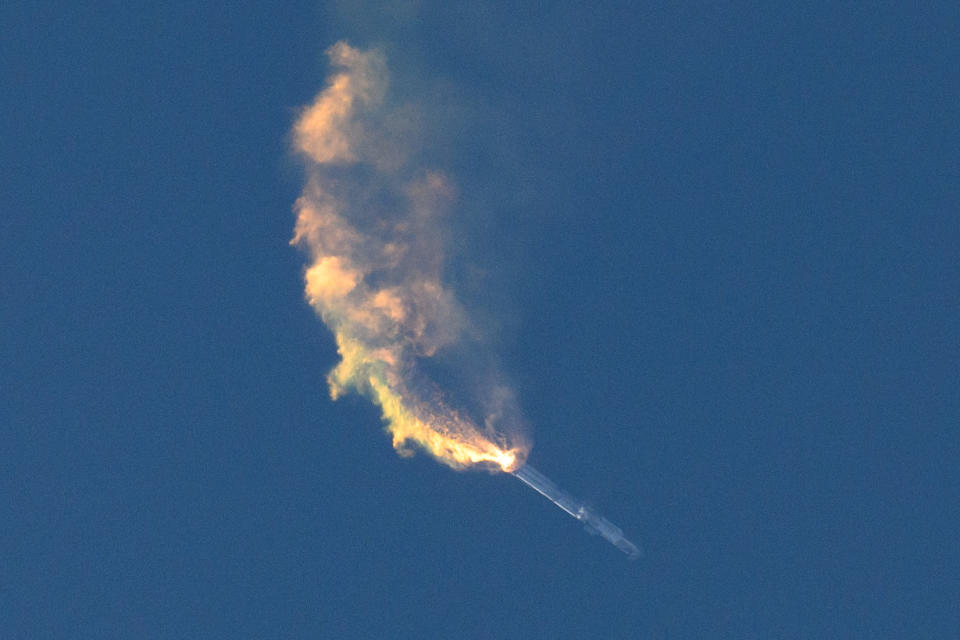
(713, 250)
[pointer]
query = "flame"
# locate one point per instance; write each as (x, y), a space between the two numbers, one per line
(377, 284)
(448, 438)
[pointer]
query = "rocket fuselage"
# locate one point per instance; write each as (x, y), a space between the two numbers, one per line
(595, 522)
(545, 487)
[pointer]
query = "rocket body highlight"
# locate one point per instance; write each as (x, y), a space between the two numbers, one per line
(576, 508)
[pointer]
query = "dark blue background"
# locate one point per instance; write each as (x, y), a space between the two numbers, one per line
(726, 243)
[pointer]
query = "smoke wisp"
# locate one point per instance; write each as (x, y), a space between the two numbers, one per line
(372, 221)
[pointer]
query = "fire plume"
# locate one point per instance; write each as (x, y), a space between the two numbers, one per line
(370, 221)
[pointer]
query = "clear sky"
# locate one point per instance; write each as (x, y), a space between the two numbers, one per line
(714, 251)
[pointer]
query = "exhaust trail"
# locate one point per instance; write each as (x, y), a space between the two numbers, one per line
(372, 221)
(594, 522)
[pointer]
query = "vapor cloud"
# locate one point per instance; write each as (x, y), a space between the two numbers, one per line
(372, 222)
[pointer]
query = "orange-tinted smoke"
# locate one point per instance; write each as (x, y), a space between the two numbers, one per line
(372, 224)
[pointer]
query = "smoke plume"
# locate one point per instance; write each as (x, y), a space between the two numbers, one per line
(372, 221)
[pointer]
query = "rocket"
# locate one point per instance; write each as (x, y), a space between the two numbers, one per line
(594, 522)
